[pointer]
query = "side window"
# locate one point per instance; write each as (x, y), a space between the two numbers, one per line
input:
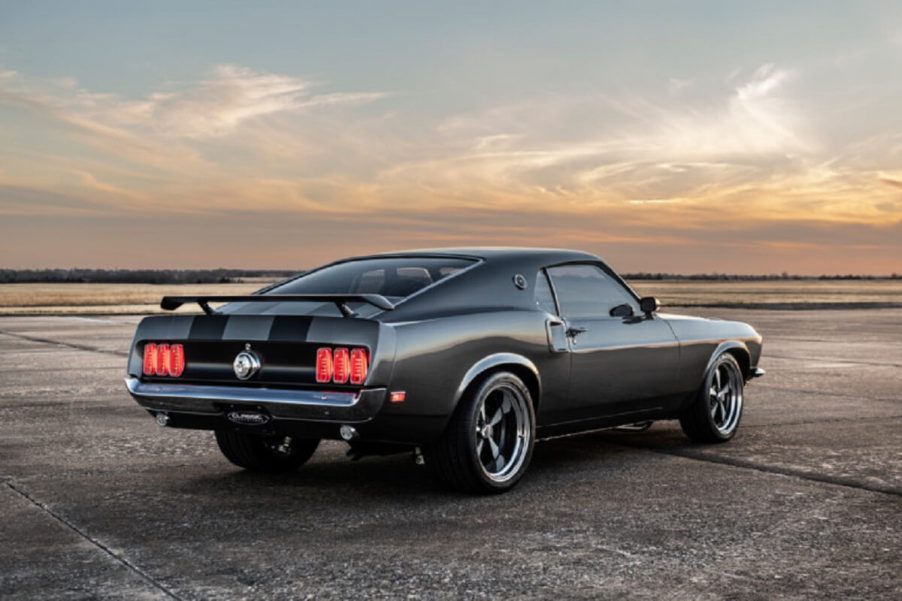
(587, 291)
(543, 296)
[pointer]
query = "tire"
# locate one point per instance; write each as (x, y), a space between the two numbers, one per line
(494, 419)
(272, 454)
(716, 411)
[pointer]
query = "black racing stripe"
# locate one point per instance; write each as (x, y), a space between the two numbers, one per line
(290, 327)
(208, 327)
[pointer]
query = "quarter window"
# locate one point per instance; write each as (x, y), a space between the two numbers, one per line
(544, 297)
(587, 291)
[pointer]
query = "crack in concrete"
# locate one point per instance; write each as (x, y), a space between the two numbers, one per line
(772, 469)
(849, 361)
(829, 420)
(102, 547)
(840, 395)
(78, 347)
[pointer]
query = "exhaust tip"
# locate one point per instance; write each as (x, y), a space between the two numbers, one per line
(162, 419)
(348, 433)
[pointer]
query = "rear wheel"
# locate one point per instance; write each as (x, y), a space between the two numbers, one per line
(265, 453)
(714, 415)
(488, 443)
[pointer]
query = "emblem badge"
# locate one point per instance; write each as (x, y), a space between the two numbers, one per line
(246, 363)
(248, 418)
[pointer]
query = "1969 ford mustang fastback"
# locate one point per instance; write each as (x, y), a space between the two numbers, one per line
(465, 357)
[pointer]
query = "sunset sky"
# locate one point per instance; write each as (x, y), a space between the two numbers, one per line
(689, 137)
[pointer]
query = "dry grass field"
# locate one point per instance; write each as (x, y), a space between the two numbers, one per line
(68, 299)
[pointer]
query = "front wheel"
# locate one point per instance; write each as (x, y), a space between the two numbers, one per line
(488, 443)
(714, 415)
(265, 453)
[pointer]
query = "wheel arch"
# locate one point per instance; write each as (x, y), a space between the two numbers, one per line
(517, 364)
(738, 350)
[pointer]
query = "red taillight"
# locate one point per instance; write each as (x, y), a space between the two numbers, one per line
(342, 366)
(164, 359)
(176, 360)
(150, 359)
(359, 365)
(323, 365)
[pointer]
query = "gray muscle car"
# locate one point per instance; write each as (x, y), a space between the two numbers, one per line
(464, 357)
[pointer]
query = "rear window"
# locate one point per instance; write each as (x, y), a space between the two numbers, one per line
(394, 278)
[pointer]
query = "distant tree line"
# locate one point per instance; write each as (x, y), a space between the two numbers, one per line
(137, 276)
(226, 276)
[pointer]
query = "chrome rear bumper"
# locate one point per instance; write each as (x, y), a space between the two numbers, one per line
(312, 405)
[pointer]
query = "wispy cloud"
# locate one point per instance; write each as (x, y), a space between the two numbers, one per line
(213, 107)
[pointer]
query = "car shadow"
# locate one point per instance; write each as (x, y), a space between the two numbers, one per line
(332, 477)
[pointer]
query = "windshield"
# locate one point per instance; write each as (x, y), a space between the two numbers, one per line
(395, 278)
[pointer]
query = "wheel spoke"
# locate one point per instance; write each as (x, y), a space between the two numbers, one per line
(506, 403)
(497, 417)
(717, 383)
(494, 447)
(499, 462)
(479, 444)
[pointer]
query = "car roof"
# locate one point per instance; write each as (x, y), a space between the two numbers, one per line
(490, 253)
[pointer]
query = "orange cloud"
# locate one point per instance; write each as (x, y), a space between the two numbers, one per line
(739, 178)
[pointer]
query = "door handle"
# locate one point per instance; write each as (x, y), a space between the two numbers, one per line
(557, 336)
(574, 331)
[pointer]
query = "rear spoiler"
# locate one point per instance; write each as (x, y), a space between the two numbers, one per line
(171, 303)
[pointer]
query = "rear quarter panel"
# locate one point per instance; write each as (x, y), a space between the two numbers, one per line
(434, 355)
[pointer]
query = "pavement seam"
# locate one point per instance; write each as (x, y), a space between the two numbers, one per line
(832, 420)
(105, 549)
(839, 395)
(770, 469)
(78, 347)
(849, 361)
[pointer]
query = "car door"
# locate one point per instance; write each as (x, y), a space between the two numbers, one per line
(620, 363)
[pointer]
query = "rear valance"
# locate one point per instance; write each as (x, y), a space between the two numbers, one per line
(171, 303)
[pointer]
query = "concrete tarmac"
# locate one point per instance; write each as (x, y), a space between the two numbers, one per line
(97, 502)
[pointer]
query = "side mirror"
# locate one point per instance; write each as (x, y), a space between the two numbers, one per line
(649, 304)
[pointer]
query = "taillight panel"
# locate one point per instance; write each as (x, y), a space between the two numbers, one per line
(284, 363)
(342, 365)
(164, 360)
